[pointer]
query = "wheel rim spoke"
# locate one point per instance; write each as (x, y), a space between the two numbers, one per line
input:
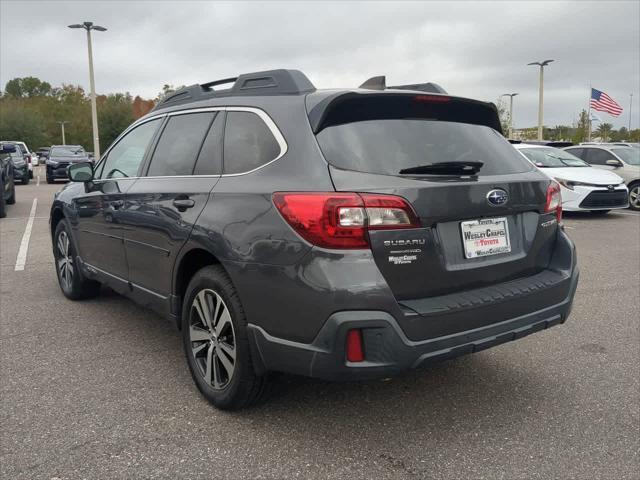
(225, 319)
(61, 245)
(228, 349)
(199, 348)
(216, 371)
(209, 364)
(197, 304)
(199, 335)
(224, 360)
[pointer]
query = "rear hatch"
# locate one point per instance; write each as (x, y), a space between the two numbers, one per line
(477, 228)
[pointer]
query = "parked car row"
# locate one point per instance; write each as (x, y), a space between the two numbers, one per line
(7, 180)
(583, 186)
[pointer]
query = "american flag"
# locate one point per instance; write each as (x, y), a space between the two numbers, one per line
(604, 103)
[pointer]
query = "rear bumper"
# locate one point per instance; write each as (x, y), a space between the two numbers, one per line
(388, 347)
(387, 350)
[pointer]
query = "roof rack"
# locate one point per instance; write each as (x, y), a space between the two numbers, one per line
(379, 83)
(271, 82)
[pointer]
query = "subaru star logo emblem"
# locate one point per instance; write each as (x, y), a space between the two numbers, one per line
(497, 197)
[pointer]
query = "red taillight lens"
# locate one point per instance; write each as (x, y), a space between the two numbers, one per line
(341, 220)
(355, 350)
(554, 200)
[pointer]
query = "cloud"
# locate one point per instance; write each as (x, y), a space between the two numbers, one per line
(475, 49)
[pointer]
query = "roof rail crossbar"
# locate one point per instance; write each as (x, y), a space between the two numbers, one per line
(272, 82)
(215, 83)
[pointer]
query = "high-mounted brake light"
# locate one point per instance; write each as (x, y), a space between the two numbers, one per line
(554, 200)
(432, 98)
(341, 220)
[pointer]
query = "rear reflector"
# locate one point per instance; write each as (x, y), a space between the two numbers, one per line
(554, 200)
(355, 350)
(341, 220)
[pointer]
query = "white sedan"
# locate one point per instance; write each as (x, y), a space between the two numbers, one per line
(583, 187)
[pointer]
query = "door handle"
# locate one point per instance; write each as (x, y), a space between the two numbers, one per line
(183, 203)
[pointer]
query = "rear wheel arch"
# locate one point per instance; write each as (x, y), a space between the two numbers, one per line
(56, 217)
(187, 266)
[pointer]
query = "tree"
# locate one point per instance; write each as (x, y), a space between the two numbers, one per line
(503, 114)
(581, 128)
(167, 89)
(27, 87)
(604, 131)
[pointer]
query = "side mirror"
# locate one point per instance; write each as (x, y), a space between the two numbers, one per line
(80, 172)
(614, 163)
(7, 148)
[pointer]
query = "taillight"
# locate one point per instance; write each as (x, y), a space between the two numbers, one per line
(554, 200)
(341, 220)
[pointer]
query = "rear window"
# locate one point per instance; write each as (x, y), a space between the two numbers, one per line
(387, 146)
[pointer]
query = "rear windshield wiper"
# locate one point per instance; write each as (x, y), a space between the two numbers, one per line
(445, 168)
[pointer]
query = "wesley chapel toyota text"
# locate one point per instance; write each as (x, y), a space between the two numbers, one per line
(339, 234)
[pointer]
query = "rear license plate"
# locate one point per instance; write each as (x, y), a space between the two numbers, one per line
(489, 236)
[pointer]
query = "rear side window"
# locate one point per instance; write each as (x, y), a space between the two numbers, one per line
(179, 144)
(210, 159)
(248, 143)
(386, 146)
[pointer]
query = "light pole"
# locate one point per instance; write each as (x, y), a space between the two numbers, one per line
(88, 26)
(510, 95)
(64, 142)
(541, 93)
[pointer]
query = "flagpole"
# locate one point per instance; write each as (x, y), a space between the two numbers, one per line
(589, 115)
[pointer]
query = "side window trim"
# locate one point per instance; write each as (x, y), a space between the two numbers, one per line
(264, 116)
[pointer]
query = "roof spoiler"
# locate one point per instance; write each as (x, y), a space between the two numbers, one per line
(380, 83)
(270, 82)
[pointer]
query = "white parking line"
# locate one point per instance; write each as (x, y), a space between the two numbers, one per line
(24, 244)
(38, 181)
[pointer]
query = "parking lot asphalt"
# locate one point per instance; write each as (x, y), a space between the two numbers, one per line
(100, 388)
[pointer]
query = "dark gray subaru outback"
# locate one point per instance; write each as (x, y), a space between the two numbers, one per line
(339, 234)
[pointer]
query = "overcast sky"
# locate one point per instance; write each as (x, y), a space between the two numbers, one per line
(474, 49)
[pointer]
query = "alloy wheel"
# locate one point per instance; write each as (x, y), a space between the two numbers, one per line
(634, 197)
(65, 260)
(212, 338)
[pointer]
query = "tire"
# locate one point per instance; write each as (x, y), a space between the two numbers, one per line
(226, 383)
(12, 198)
(30, 175)
(72, 283)
(634, 196)
(49, 179)
(25, 181)
(3, 205)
